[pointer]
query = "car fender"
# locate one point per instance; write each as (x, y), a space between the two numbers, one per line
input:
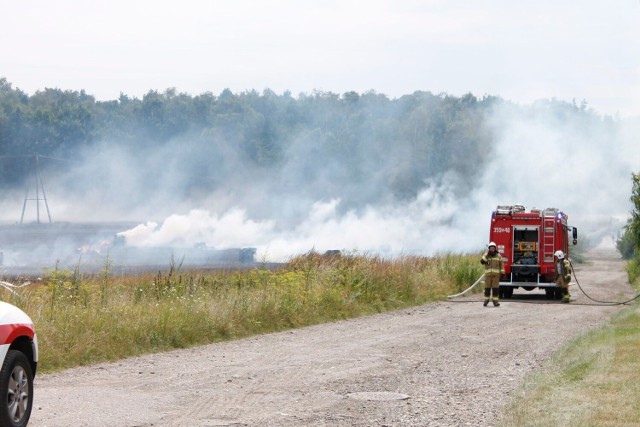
(15, 323)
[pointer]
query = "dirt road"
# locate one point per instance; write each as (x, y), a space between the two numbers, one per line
(444, 364)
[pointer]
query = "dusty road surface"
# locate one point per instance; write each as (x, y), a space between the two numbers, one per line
(444, 364)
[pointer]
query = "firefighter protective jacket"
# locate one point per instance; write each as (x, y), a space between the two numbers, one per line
(492, 263)
(563, 268)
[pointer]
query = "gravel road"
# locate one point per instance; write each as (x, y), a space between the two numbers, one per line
(443, 364)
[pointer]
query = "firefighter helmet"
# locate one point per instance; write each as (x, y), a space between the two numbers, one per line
(559, 254)
(492, 244)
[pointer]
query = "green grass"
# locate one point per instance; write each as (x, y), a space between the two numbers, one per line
(593, 381)
(83, 319)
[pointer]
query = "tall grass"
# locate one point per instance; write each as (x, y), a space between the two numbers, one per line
(83, 319)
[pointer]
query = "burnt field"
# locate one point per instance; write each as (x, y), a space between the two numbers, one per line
(31, 249)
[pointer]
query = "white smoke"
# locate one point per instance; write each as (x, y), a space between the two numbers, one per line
(538, 160)
(582, 168)
(421, 226)
(232, 229)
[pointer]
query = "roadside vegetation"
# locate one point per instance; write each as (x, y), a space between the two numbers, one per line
(84, 319)
(594, 380)
(629, 243)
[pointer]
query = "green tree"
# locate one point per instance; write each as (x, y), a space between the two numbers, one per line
(629, 244)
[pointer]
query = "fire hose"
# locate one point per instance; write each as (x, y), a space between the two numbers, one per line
(598, 301)
(480, 279)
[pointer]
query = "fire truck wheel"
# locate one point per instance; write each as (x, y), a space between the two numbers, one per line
(505, 292)
(558, 293)
(16, 385)
(550, 293)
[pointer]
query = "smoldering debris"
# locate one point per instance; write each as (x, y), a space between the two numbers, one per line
(35, 248)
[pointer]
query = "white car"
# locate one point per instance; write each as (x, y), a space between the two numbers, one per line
(19, 360)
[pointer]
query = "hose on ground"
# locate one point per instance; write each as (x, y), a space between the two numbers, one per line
(593, 299)
(480, 279)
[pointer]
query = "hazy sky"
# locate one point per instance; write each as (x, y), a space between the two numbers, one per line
(520, 51)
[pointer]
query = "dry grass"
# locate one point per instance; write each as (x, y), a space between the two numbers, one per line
(87, 319)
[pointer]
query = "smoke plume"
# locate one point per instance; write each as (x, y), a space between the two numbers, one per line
(311, 202)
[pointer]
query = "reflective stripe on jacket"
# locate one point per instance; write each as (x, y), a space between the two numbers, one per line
(492, 264)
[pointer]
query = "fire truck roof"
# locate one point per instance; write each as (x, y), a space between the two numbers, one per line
(520, 210)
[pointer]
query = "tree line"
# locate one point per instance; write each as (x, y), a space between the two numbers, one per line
(324, 136)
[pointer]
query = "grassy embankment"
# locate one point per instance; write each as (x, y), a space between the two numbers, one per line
(593, 381)
(87, 319)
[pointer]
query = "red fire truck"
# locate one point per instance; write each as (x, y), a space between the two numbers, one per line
(527, 240)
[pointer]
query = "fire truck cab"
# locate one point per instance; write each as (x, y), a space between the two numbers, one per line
(527, 241)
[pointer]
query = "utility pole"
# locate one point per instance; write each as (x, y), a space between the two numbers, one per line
(39, 187)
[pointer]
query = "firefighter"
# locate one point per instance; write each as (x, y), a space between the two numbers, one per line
(563, 274)
(493, 268)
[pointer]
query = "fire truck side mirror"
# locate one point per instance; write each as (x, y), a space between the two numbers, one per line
(575, 236)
